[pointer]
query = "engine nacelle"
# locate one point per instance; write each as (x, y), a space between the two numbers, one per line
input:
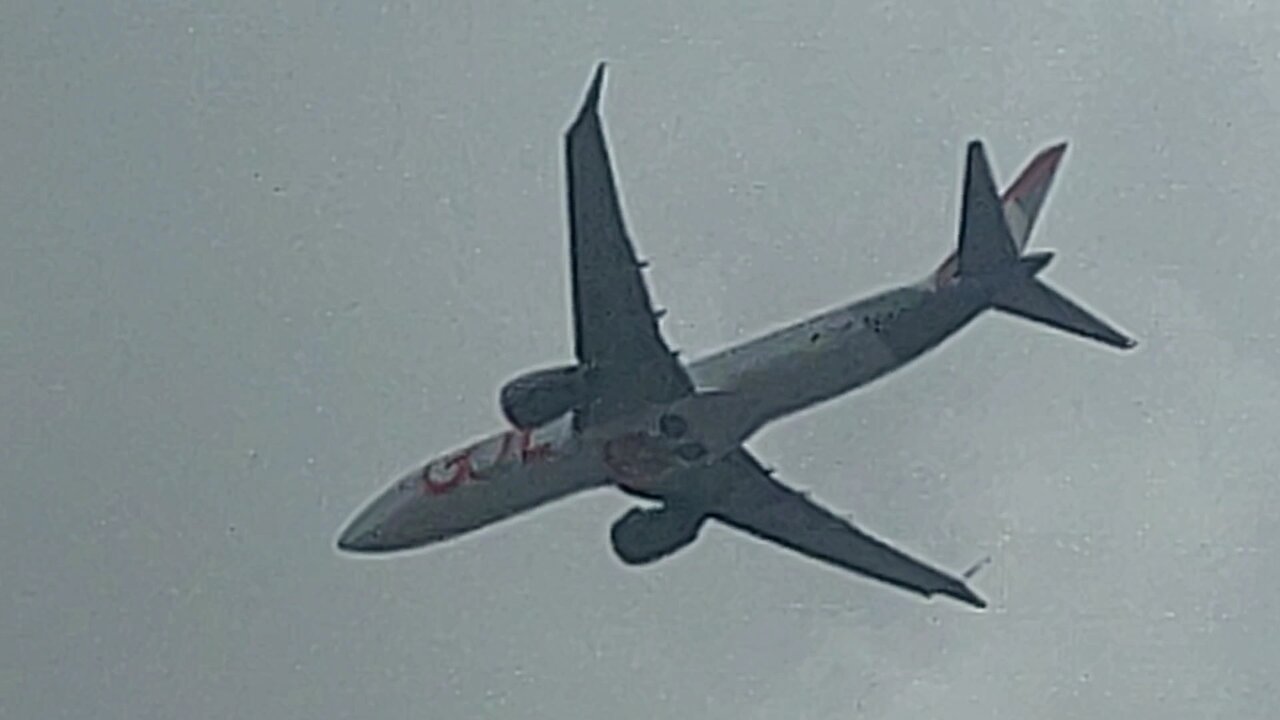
(535, 399)
(642, 536)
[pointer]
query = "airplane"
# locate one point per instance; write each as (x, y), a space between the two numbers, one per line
(628, 413)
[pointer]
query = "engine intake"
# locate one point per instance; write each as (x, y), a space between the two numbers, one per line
(536, 398)
(642, 536)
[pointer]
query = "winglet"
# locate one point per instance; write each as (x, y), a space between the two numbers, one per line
(973, 570)
(592, 100)
(960, 591)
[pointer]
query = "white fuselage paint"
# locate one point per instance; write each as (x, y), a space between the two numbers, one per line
(740, 390)
(835, 352)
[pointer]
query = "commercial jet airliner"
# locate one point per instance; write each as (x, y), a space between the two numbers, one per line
(628, 413)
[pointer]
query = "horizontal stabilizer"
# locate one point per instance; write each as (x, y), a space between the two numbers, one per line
(1033, 300)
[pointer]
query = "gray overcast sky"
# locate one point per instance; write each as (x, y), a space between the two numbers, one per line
(259, 257)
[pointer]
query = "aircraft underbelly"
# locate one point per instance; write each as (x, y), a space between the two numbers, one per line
(834, 353)
(795, 381)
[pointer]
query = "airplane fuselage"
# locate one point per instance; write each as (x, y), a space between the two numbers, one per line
(838, 351)
(741, 389)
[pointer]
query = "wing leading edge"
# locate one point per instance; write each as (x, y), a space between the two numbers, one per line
(744, 495)
(616, 335)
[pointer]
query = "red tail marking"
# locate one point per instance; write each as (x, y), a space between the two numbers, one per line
(1040, 168)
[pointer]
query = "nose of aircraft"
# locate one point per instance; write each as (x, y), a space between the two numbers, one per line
(373, 530)
(357, 539)
(362, 535)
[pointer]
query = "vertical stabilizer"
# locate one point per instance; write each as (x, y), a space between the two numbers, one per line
(986, 247)
(1021, 203)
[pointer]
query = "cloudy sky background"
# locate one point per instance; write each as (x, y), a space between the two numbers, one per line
(258, 258)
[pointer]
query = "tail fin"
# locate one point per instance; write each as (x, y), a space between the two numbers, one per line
(1024, 198)
(988, 248)
(1021, 204)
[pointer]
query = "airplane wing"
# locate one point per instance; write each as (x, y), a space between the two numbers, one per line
(617, 340)
(746, 496)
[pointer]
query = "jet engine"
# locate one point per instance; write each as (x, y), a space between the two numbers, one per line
(536, 398)
(642, 536)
